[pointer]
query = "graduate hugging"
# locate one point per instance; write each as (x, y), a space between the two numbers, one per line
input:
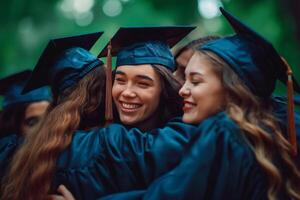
(211, 130)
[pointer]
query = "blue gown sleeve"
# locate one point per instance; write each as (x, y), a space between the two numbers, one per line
(219, 165)
(115, 159)
(8, 146)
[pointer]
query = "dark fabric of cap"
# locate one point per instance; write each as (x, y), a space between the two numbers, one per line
(11, 88)
(146, 45)
(64, 62)
(252, 58)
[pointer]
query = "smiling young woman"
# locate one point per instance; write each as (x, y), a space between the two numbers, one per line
(237, 75)
(146, 96)
(136, 93)
(145, 92)
(203, 90)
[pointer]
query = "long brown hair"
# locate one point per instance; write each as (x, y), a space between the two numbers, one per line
(171, 103)
(33, 166)
(11, 119)
(261, 130)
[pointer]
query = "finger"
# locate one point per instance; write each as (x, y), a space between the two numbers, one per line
(65, 192)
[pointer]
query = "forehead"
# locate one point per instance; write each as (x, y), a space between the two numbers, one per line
(137, 70)
(186, 54)
(199, 63)
(36, 108)
(184, 57)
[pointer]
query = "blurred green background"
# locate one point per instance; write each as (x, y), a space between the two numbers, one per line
(26, 26)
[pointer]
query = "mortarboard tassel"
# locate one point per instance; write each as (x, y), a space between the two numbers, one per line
(108, 96)
(291, 119)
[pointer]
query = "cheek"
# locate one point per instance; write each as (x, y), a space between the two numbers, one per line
(218, 96)
(151, 98)
(211, 105)
(116, 90)
(201, 94)
(155, 102)
(210, 100)
(25, 129)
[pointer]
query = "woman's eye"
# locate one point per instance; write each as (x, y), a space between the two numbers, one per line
(142, 84)
(120, 80)
(31, 121)
(195, 82)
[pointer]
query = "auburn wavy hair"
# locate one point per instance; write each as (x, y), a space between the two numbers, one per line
(33, 165)
(254, 117)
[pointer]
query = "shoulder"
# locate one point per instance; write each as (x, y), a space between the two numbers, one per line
(222, 148)
(219, 124)
(221, 131)
(8, 146)
(87, 146)
(9, 142)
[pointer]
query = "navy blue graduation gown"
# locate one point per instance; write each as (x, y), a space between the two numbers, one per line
(112, 159)
(8, 146)
(219, 165)
(180, 184)
(115, 159)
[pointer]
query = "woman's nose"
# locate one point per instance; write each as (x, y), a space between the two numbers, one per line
(129, 92)
(184, 91)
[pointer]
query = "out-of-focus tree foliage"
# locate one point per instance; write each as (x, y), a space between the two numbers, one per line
(27, 25)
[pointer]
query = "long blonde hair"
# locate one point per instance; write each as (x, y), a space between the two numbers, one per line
(261, 130)
(33, 165)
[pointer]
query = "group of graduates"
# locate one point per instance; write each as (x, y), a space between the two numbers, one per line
(201, 124)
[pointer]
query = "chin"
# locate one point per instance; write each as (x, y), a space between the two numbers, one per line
(187, 119)
(126, 122)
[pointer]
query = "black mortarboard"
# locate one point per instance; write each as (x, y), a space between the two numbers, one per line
(146, 45)
(258, 65)
(64, 61)
(252, 57)
(11, 88)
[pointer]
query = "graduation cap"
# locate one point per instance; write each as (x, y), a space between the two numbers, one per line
(146, 45)
(64, 62)
(11, 88)
(257, 63)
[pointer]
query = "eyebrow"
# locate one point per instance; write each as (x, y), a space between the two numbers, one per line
(138, 76)
(119, 72)
(145, 77)
(195, 73)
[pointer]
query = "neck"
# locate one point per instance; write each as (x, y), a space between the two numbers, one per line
(150, 123)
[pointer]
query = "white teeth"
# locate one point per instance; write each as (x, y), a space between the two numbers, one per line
(130, 106)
